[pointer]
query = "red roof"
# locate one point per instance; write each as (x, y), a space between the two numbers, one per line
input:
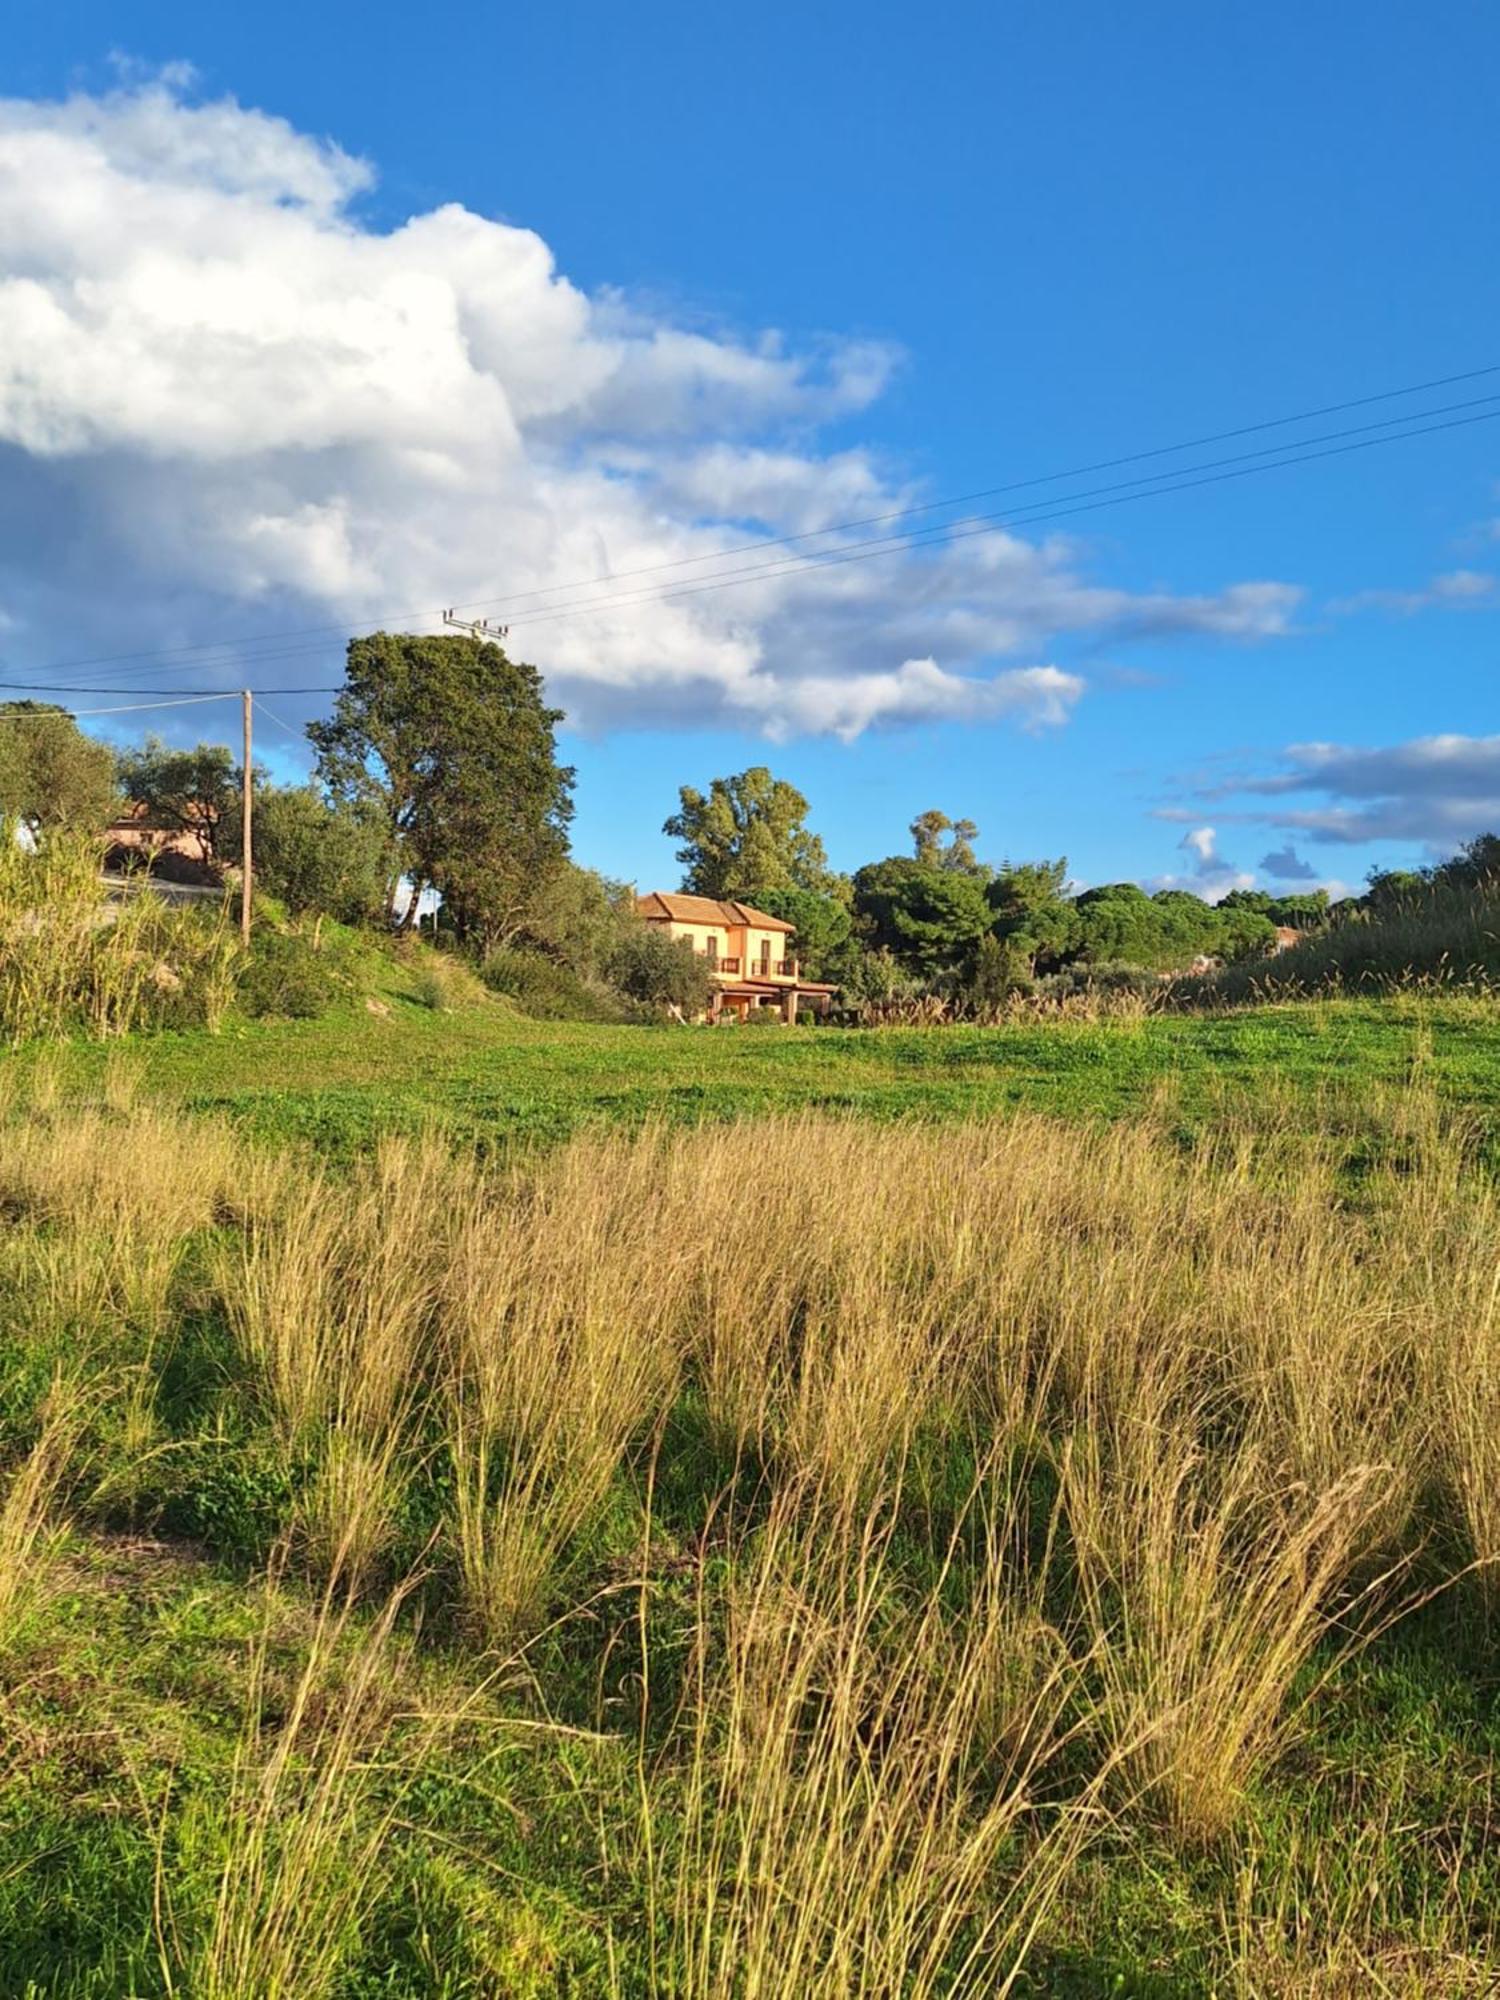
(662, 905)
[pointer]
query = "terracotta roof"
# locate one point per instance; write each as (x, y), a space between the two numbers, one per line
(707, 910)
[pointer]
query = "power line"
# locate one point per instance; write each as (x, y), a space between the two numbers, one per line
(272, 717)
(943, 535)
(964, 531)
(238, 648)
(17, 714)
(1020, 485)
(180, 700)
(947, 533)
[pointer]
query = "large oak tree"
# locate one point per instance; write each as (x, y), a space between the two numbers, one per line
(453, 742)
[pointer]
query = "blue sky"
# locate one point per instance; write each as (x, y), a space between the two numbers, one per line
(614, 288)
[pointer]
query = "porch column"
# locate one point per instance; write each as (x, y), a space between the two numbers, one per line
(789, 1011)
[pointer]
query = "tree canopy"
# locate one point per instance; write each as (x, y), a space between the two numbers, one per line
(187, 790)
(929, 917)
(1038, 923)
(451, 742)
(927, 831)
(823, 929)
(51, 774)
(315, 854)
(746, 837)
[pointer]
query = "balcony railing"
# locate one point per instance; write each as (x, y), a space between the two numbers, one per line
(755, 968)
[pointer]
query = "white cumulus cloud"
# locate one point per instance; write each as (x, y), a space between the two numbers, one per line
(230, 404)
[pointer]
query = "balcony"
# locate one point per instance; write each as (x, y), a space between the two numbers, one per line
(756, 968)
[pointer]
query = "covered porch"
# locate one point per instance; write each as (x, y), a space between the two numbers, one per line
(737, 999)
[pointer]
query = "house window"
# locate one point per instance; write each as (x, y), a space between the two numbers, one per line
(765, 957)
(712, 948)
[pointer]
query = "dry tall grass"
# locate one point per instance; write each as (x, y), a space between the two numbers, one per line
(28, 1503)
(313, 1804)
(861, 1765)
(1070, 1452)
(72, 959)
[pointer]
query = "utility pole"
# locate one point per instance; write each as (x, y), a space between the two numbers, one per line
(247, 866)
(478, 628)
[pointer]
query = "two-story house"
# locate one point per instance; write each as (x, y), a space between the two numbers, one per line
(748, 952)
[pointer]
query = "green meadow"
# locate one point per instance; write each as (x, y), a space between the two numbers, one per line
(500, 1508)
(489, 1077)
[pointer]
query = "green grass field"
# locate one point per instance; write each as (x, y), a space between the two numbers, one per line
(829, 1559)
(492, 1078)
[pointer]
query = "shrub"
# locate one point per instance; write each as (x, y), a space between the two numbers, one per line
(548, 990)
(763, 1017)
(284, 974)
(658, 970)
(806, 1017)
(446, 984)
(312, 855)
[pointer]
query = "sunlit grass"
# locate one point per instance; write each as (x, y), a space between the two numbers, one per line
(882, 1535)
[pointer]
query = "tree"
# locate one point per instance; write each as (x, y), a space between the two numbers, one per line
(1185, 927)
(314, 854)
(746, 837)
(1031, 913)
(1476, 862)
(1118, 925)
(450, 741)
(649, 965)
(927, 831)
(1241, 932)
(189, 791)
(929, 918)
(1308, 910)
(577, 918)
(1393, 889)
(51, 774)
(823, 930)
(1002, 966)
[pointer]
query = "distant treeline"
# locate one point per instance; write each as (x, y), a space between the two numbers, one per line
(437, 786)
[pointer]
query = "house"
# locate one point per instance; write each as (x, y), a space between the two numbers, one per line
(176, 852)
(748, 952)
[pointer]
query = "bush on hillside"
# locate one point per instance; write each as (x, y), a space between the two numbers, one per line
(548, 990)
(284, 976)
(314, 856)
(657, 970)
(446, 984)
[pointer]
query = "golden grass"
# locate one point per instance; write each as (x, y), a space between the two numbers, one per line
(28, 1503)
(312, 1806)
(860, 1765)
(1160, 1417)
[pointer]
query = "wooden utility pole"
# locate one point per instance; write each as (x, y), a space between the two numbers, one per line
(247, 865)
